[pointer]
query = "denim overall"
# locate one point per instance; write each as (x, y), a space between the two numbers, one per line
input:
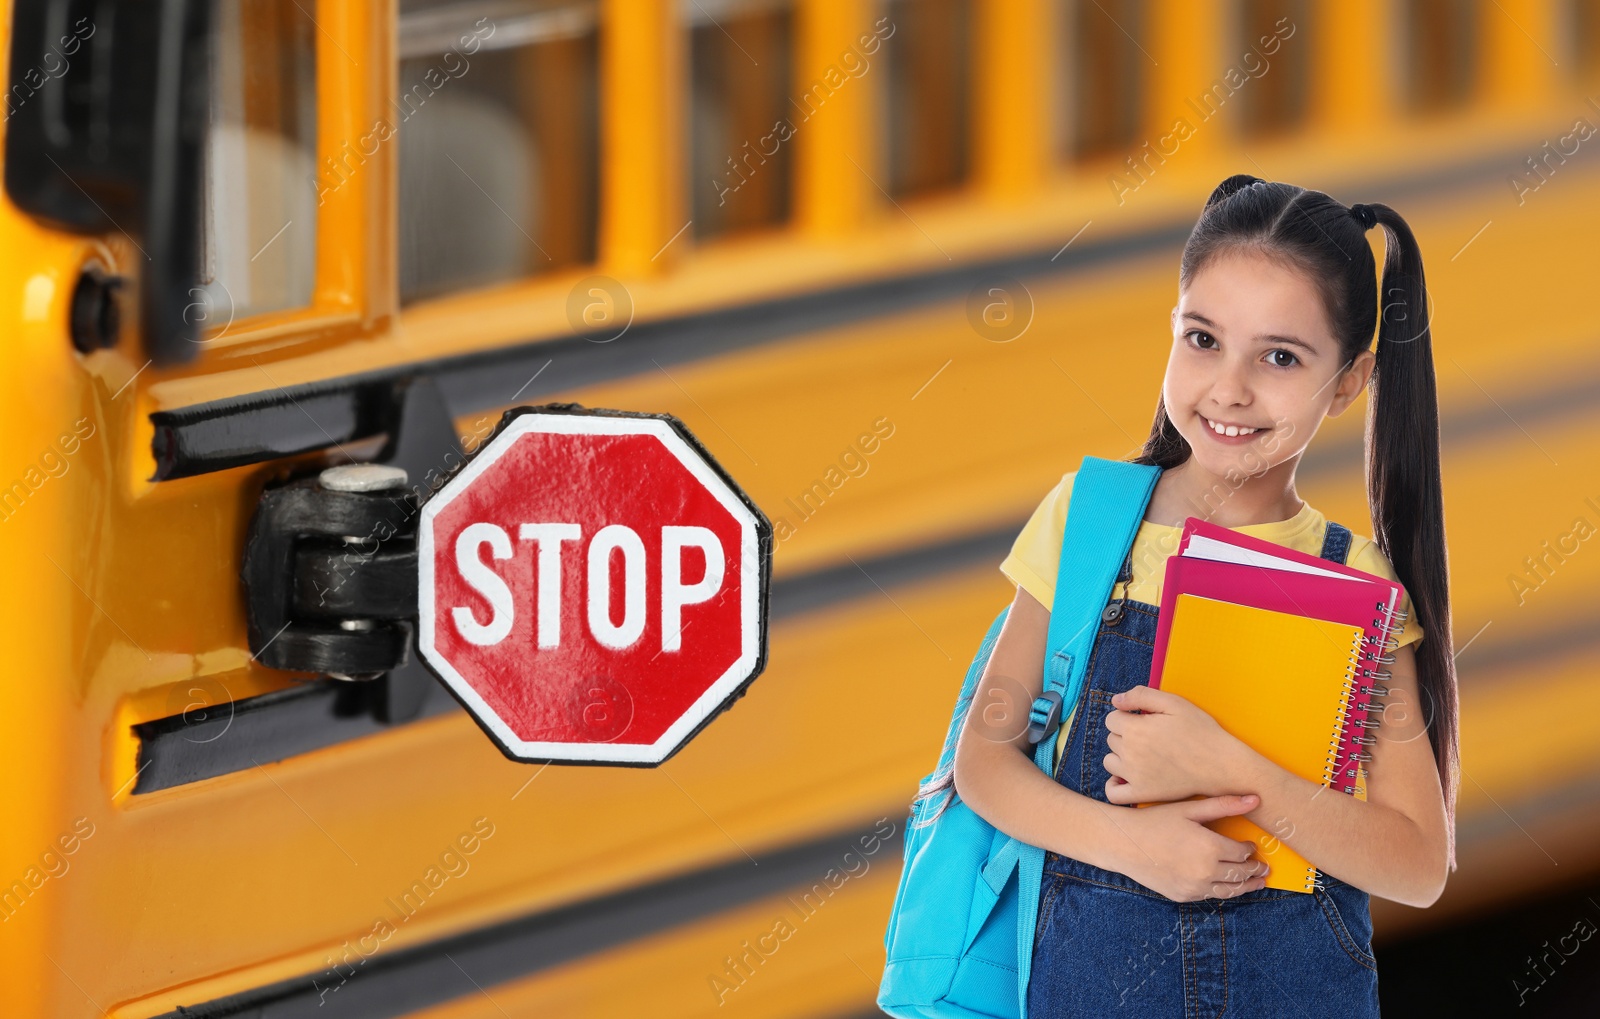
(1106, 945)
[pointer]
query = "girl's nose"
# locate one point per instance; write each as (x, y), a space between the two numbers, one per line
(1229, 387)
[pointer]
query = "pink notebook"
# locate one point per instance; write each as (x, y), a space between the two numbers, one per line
(1216, 562)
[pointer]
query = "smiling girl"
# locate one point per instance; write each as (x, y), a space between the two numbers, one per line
(1147, 911)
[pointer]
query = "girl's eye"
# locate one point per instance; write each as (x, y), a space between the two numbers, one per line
(1196, 335)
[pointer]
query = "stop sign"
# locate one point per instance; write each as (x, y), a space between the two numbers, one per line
(592, 587)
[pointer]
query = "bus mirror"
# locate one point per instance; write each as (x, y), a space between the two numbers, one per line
(107, 109)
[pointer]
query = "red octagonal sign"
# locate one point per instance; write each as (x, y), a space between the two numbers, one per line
(592, 586)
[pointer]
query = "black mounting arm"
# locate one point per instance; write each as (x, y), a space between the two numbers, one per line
(330, 563)
(315, 567)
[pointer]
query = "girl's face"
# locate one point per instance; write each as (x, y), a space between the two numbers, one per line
(1252, 349)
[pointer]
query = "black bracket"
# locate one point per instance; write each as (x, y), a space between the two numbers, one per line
(305, 573)
(330, 576)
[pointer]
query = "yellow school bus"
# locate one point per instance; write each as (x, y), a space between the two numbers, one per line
(898, 263)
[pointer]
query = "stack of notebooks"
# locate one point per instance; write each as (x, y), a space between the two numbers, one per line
(1285, 651)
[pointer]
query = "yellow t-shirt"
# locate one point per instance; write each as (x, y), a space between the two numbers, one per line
(1036, 554)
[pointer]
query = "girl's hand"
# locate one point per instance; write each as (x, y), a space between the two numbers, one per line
(1170, 851)
(1172, 752)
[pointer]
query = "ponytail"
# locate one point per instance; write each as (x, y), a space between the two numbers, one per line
(1405, 491)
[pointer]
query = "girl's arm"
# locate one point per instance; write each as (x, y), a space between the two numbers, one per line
(1166, 847)
(1393, 845)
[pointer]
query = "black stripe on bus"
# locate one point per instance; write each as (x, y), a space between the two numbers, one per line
(397, 982)
(262, 426)
(402, 982)
(185, 748)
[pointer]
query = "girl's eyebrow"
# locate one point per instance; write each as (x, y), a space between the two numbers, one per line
(1263, 338)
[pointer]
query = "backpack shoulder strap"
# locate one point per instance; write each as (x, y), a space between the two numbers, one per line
(1108, 501)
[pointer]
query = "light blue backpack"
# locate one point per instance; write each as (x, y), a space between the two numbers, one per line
(960, 933)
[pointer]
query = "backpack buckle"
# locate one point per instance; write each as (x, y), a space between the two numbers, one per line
(1044, 717)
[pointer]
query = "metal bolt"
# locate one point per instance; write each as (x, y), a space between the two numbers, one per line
(95, 320)
(363, 677)
(362, 478)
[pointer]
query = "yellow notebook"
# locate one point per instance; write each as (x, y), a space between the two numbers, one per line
(1277, 681)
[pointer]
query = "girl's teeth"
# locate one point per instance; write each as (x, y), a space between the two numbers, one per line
(1230, 429)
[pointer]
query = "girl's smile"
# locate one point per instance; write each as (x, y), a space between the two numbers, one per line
(1232, 434)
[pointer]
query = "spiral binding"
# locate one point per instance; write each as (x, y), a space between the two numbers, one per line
(1368, 649)
(1330, 768)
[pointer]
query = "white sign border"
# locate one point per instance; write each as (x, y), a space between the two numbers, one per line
(750, 576)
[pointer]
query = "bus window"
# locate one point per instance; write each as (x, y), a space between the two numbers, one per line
(1441, 38)
(258, 245)
(740, 56)
(927, 105)
(1584, 18)
(498, 122)
(1274, 102)
(1107, 67)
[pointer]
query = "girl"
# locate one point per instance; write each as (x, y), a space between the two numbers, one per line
(1148, 912)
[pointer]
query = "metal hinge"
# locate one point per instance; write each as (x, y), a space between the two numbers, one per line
(330, 571)
(330, 562)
